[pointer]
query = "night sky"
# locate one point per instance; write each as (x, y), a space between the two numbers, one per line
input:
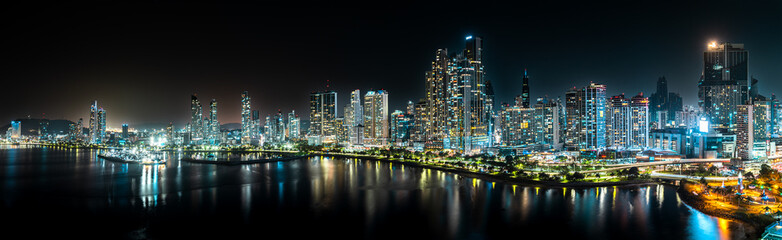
(141, 61)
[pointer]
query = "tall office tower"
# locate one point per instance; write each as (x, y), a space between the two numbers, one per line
(547, 125)
(101, 125)
(401, 128)
(255, 125)
(639, 121)
(618, 124)
(517, 126)
(196, 120)
(572, 114)
(279, 122)
(437, 99)
(662, 100)
(294, 128)
(125, 131)
(762, 126)
(267, 131)
(776, 117)
(470, 100)
(420, 123)
(93, 131)
(354, 114)
(247, 123)
(525, 90)
(586, 117)
(376, 117)
(744, 132)
(724, 83)
(593, 116)
(323, 109)
(214, 124)
(687, 117)
(170, 138)
(341, 130)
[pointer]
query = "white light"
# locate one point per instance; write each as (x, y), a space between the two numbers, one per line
(703, 126)
(468, 37)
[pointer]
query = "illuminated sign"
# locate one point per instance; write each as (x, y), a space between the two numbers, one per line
(703, 125)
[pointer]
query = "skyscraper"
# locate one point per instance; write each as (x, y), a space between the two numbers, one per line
(547, 124)
(618, 124)
(470, 100)
(401, 127)
(196, 120)
(724, 83)
(525, 90)
(294, 128)
(354, 115)
(93, 131)
(639, 121)
(125, 131)
(517, 126)
(662, 100)
(247, 123)
(214, 124)
(437, 101)
(323, 109)
(744, 131)
(101, 125)
(376, 117)
(586, 117)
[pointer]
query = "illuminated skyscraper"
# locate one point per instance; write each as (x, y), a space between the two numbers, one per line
(525, 90)
(125, 131)
(724, 83)
(745, 140)
(196, 120)
(93, 131)
(214, 124)
(547, 122)
(294, 128)
(517, 126)
(586, 117)
(639, 121)
(323, 109)
(15, 131)
(437, 101)
(101, 125)
(401, 127)
(376, 117)
(247, 125)
(354, 115)
(470, 100)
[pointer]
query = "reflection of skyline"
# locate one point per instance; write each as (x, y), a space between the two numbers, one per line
(369, 192)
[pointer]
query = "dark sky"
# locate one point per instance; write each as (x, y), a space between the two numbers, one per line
(142, 60)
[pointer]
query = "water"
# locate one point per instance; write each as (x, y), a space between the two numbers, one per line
(61, 192)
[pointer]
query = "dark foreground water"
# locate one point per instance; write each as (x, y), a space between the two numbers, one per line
(56, 192)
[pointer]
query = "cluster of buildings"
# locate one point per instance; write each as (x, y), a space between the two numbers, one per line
(458, 114)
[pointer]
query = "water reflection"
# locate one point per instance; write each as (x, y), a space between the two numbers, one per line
(324, 194)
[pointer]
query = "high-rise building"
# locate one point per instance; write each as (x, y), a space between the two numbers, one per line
(586, 117)
(618, 124)
(247, 123)
(354, 115)
(745, 140)
(437, 101)
(525, 90)
(214, 124)
(125, 131)
(420, 123)
(761, 120)
(639, 121)
(376, 117)
(470, 101)
(662, 100)
(401, 127)
(294, 127)
(724, 83)
(323, 109)
(101, 125)
(547, 122)
(687, 117)
(517, 126)
(93, 131)
(196, 120)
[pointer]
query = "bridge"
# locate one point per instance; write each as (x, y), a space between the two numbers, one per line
(660, 163)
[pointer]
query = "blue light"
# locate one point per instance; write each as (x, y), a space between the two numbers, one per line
(468, 37)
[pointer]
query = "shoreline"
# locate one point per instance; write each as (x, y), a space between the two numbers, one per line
(756, 223)
(499, 177)
(232, 163)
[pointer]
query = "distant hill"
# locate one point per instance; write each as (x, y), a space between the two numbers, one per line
(30, 126)
(231, 126)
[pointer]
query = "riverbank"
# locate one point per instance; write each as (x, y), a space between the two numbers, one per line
(494, 177)
(756, 221)
(230, 163)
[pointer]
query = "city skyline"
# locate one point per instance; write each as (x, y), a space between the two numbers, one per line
(157, 93)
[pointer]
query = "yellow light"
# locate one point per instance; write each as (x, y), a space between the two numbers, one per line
(713, 44)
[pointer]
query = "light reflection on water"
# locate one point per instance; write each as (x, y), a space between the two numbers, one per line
(326, 193)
